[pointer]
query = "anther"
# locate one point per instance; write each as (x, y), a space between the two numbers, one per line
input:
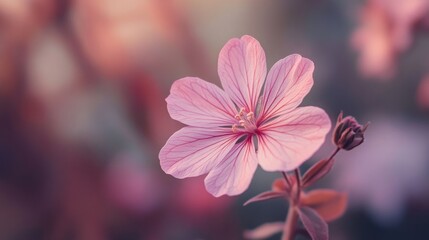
(246, 121)
(234, 128)
(241, 113)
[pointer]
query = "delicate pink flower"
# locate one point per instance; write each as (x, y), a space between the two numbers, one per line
(373, 40)
(253, 121)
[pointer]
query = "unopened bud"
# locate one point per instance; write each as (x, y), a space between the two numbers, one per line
(348, 133)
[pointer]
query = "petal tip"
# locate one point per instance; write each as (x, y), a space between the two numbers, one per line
(248, 38)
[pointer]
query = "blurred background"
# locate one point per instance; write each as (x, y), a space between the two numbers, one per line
(83, 116)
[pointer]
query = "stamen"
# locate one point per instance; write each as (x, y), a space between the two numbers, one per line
(241, 113)
(246, 121)
(234, 128)
(250, 116)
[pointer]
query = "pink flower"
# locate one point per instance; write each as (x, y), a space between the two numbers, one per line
(374, 42)
(385, 31)
(253, 121)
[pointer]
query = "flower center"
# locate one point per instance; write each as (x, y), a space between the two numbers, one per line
(246, 122)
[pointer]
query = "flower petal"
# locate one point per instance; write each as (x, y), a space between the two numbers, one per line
(198, 103)
(233, 174)
(193, 151)
(288, 82)
(242, 69)
(287, 141)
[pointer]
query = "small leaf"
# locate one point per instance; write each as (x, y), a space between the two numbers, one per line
(329, 204)
(264, 231)
(317, 171)
(280, 185)
(265, 196)
(313, 223)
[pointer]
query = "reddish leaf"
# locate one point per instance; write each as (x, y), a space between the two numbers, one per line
(317, 171)
(313, 223)
(328, 203)
(280, 185)
(264, 231)
(265, 196)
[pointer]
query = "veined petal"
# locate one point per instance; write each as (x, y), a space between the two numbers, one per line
(242, 69)
(288, 82)
(287, 141)
(198, 103)
(194, 151)
(234, 173)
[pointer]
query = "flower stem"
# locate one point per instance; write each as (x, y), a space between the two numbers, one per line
(331, 158)
(287, 180)
(292, 216)
(291, 221)
(298, 183)
(334, 153)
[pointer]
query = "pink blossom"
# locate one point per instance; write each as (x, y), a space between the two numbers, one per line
(373, 40)
(385, 31)
(252, 121)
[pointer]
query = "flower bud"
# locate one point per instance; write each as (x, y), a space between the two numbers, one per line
(348, 133)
